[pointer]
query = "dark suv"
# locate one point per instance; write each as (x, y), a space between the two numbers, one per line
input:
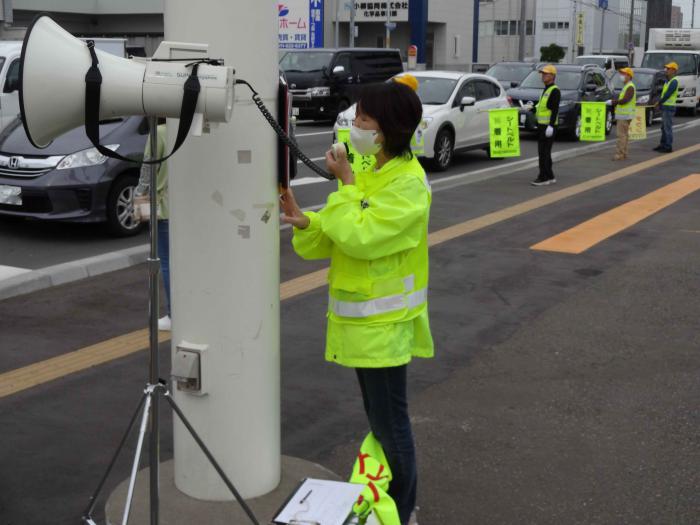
(70, 180)
(325, 82)
(578, 84)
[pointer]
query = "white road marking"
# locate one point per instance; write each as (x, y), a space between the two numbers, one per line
(313, 134)
(6, 272)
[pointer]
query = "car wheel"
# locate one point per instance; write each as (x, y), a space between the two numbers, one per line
(444, 150)
(693, 112)
(608, 122)
(120, 207)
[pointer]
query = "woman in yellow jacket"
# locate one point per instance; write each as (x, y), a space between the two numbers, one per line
(374, 229)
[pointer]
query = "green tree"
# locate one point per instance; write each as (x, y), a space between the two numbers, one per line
(552, 53)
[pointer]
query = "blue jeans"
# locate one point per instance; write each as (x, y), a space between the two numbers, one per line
(667, 127)
(386, 405)
(164, 256)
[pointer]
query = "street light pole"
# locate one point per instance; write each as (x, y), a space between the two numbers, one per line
(630, 45)
(521, 30)
(352, 23)
(602, 30)
(337, 24)
(387, 39)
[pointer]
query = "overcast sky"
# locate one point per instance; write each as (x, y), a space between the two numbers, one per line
(686, 7)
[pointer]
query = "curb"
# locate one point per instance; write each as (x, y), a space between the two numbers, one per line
(72, 271)
(109, 262)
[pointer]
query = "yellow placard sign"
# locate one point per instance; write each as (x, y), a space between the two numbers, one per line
(580, 28)
(504, 133)
(359, 163)
(638, 126)
(593, 121)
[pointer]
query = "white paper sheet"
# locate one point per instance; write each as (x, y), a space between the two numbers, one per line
(320, 502)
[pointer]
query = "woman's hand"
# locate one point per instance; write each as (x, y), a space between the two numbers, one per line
(292, 213)
(339, 166)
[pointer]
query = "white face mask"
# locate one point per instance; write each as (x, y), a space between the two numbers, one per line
(363, 141)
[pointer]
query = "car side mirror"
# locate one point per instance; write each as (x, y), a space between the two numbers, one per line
(11, 85)
(337, 70)
(466, 101)
(514, 84)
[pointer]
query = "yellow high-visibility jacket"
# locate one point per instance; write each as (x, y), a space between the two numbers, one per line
(375, 233)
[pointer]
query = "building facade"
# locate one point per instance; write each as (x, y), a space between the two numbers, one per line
(499, 30)
(577, 27)
(676, 17)
(450, 24)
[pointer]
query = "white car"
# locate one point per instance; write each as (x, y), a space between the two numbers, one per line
(455, 113)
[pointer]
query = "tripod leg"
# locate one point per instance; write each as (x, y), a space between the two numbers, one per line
(211, 459)
(87, 515)
(137, 458)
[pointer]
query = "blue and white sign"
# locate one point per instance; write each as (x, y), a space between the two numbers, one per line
(300, 24)
(602, 4)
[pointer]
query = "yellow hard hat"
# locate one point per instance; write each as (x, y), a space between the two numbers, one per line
(549, 68)
(408, 80)
(671, 65)
(627, 71)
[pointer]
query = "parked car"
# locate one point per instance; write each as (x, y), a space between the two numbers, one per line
(70, 180)
(455, 113)
(578, 83)
(649, 83)
(609, 63)
(510, 74)
(325, 82)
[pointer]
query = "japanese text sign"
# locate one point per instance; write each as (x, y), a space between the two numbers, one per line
(504, 133)
(593, 121)
(300, 24)
(638, 127)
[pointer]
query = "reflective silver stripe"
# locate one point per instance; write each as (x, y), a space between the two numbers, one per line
(427, 184)
(382, 305)
(409, 283)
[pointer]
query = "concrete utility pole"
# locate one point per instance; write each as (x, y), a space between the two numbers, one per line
(337, 24)
(352, 23)
(225, 259)
(521, 31)
(631, 33)
(602, 30)
(387, 39)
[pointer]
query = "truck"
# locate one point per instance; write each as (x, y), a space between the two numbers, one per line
(10, 51)
(683, 47)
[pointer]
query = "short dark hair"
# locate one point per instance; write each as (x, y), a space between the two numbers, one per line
(398, 111)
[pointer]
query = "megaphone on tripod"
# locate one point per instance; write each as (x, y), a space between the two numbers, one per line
(65, 83)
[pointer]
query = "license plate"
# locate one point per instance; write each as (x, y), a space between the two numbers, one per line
(523, 118)
(11, 195)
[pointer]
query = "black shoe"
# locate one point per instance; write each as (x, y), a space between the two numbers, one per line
(659, 148)
(667, 150)
(553, 180)
(540, 182)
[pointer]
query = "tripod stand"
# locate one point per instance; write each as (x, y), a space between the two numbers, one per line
(149, 404)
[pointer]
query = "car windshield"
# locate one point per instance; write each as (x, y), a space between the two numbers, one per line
(305, 62)
(641, 80)
(582, 61)
(566, 80)
(509, 72)
(686, 62)
(432, 90)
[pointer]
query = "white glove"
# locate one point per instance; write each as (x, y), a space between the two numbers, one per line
(549, 132)
(608, 102)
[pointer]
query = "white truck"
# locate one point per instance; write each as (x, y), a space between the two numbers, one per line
(683, 47)
(10, 51)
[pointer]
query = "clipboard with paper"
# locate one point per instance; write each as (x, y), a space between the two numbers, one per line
(319, 502)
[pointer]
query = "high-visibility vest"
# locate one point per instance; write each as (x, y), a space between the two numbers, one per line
(630, 109)
(375, 233)
(543, 113)
(672, 99)
(372, 470)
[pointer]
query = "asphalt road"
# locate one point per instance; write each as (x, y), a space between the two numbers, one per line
(564, 388)
(35, 245)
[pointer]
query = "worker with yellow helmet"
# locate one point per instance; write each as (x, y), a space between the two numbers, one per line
(547, 113)
(625, 109)
(669, 94)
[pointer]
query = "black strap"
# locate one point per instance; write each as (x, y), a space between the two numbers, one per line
(93, 86)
